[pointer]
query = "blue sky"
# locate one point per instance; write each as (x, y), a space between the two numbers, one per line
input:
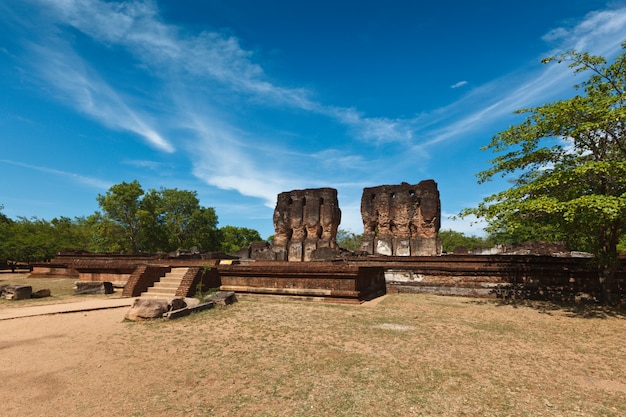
(241, 100)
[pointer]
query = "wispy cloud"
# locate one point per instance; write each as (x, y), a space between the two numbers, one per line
(151, 165)
(80, 179)
(75, 83)
(599, 33)
(196, 72)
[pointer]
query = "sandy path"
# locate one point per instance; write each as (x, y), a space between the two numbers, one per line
(54, 362)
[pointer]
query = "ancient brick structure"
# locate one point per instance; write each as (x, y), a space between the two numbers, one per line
(401, 220)
(305, 221)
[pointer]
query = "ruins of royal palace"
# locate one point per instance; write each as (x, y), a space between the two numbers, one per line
(400, 238)
(398, 220)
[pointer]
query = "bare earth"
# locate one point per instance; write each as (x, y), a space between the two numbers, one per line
(400, 355)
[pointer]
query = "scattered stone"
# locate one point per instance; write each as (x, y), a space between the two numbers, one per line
(176, 304)
(147, 308)
(191, 302)
(93, 287)
(222, 298)
(17, 292)
(45, 292)
(174, 314)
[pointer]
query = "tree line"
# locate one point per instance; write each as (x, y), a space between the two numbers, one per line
(130, 220)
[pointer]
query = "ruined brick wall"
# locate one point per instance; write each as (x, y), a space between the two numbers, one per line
(305, 221)
(143, 277)
(401, 220)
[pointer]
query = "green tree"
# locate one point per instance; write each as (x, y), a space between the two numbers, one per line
(451, 239)
(235, 238)
(6, 232)
(120, 204)
(105, 235)
(568, 161)
(173, 219)
(206, 234)
(348, 240)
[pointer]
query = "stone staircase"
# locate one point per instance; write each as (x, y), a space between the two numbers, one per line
(166, 287)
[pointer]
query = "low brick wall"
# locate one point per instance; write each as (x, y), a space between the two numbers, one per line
(52, 270)
(143, 277)
(327, 280)
(494, 275)
(202, 279)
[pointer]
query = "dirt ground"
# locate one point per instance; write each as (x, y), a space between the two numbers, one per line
(401, 355)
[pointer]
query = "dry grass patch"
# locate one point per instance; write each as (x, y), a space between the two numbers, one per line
(406, 355)
(62, 290)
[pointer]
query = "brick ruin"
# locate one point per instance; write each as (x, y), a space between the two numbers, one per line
(398, 220)
(401, 220)
(305, 226)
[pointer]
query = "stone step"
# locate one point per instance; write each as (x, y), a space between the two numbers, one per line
(154, 294)
(167, 286)
(170, 280)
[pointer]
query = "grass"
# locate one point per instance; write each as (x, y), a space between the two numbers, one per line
(402, 355)
(61, 289)
(408, 355)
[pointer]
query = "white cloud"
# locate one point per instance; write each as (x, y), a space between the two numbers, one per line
(80, 179)
(501, 97)
(198, 70)
(75, 83)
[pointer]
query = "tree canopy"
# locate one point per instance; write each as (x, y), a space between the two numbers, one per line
(131, 221)
(567, 164)
(159, 220)
(451, 239)
(234, 238)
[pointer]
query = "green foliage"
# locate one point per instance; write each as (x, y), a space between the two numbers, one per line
(121, 206)
(158, 220)
(567, 161)
(451, 239)
(30, 240)
(349, 240)
(235, 238)
(174, 219)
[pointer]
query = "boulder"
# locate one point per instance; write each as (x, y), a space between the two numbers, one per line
(176, 304)
(192, 302)
(222, 298)
(93, 287)
(45, 292)
(17, 292)
(147, 308)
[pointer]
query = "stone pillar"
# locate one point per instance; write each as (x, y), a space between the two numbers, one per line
(330, 217)
(298, 231)
(305, 221)
(401, 220)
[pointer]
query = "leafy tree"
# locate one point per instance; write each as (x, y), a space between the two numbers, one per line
(451, 239)
(70, 234)
(568, 159)
(121, 205)
(235, 238)
(172, 219)
(348, 240)
(206, 235)
(105, 236)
